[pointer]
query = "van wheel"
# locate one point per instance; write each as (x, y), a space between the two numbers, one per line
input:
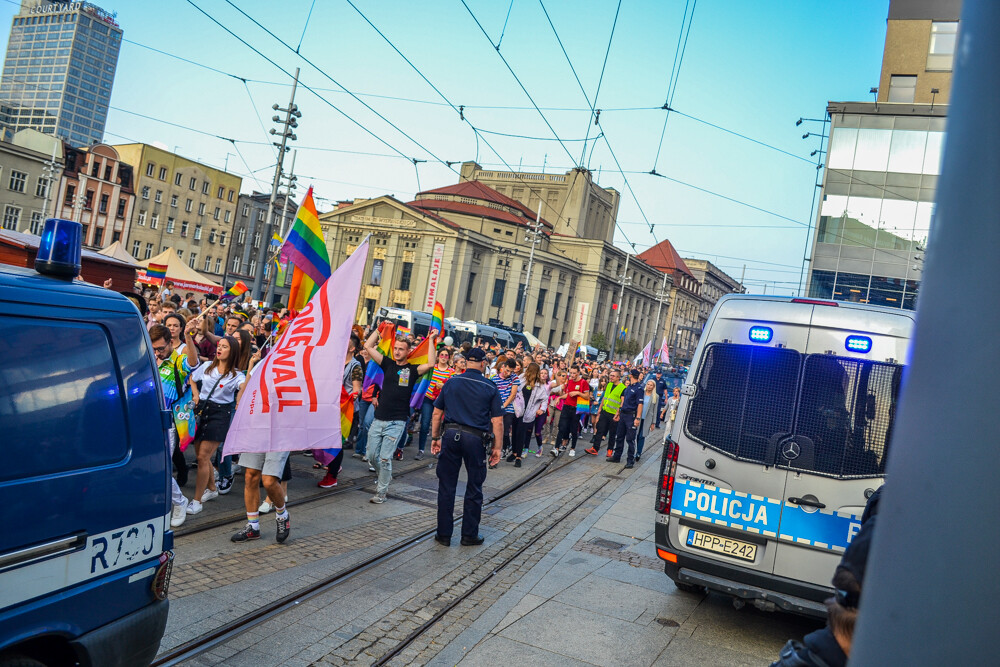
(690, 588)
(19, 661)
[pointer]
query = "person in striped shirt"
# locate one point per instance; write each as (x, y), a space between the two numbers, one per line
(507, 382)
(439, 376)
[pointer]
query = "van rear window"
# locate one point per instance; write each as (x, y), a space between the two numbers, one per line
(745, 396)
(847, 409)
(61, 400)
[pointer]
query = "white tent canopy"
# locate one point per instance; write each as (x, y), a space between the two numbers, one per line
(184, 277)
(117, 251)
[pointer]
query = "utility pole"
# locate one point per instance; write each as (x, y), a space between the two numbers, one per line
(287, 125)
(289, 188)
(50, 171)
(618, 311)
(661, 296)
(819, 152)
(534, 232)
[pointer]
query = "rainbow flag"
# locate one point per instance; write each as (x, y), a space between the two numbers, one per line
(582, 405)
(437, 317)
(421, 353)
(156, 271)
(236, 290)
(306, 249)
(373, 373)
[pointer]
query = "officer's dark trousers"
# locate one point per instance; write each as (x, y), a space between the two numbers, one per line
(606, 426)
(569, 426)
(468, 449)
(626, 436)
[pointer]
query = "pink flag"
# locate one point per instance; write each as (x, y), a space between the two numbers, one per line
(664, 352)
(646, 352)
(292, 400)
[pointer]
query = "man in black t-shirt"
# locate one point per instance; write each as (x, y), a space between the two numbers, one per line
(393, 406)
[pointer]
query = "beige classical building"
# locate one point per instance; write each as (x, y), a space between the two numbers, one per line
(181, 204)
(714, 283)
(466, 245)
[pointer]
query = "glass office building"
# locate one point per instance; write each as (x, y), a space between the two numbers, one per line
(878, 201)
(59, 70)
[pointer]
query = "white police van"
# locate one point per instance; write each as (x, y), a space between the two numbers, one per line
(781, 435)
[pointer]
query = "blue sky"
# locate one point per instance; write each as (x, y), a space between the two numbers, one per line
(751, 67)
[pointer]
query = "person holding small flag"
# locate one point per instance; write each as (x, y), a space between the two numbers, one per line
(393, 409)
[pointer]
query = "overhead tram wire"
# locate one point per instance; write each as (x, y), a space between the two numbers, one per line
(446, 163)
(259, 119)
(516, 78)
(675, 73)
(458, 110)
(307, 87)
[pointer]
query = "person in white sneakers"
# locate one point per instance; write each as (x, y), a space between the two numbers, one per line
(215, 403)
(174, 371)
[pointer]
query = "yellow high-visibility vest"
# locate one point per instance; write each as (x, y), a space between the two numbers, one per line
(612, 400)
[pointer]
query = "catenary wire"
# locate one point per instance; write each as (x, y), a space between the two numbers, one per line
(516, 78)
(675, 73)
(337, 83)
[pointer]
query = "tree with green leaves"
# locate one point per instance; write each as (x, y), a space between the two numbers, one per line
(600, 341)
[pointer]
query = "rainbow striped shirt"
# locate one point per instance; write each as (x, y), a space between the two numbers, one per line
(438, 378)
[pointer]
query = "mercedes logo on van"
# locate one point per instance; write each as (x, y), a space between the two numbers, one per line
(791, 450)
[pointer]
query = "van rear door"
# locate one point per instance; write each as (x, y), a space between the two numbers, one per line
(844, 419)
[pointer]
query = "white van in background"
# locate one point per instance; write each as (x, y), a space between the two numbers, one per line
(781, 435)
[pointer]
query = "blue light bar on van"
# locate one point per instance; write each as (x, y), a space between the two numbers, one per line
(761, 334)
(858, 344)
(59, 248)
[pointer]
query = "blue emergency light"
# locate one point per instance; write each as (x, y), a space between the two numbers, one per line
(861, 344)
(60, 248)
(761, 334)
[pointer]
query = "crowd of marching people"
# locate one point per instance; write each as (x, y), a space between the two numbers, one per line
(207, 349)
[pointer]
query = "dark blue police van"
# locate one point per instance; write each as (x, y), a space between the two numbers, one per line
(84, 485)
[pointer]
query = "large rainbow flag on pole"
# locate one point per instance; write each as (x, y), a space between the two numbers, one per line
(437, 318)
(305, 248)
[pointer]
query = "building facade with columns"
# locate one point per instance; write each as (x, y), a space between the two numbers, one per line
(466, 245)
(714, 284)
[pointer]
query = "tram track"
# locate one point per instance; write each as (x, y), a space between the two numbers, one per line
(354, 485)
(207, 641)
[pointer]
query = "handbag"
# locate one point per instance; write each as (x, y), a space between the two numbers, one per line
(201, 410)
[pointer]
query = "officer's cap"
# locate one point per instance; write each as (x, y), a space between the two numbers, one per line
(475, 354)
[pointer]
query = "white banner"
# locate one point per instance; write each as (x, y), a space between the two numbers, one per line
(432, 285)
(580, 330)
(293, 398)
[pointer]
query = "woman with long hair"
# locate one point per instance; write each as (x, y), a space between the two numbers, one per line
(220, 379)
(175, 324)
(529, 405)
(539, 425)
(648, 422)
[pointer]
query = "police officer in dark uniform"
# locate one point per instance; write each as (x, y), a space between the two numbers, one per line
(628, 422)
(467, 427)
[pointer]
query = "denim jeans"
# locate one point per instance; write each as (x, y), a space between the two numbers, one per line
(365, 416)
(382, 438)
(426, 414)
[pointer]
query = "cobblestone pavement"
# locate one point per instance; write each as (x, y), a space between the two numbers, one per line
(590, 590)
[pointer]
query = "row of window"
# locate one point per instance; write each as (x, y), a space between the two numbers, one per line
(154, 223)
(188, 204)
(161, 174)
(88, 201)
(18, 182)
(12, 218)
